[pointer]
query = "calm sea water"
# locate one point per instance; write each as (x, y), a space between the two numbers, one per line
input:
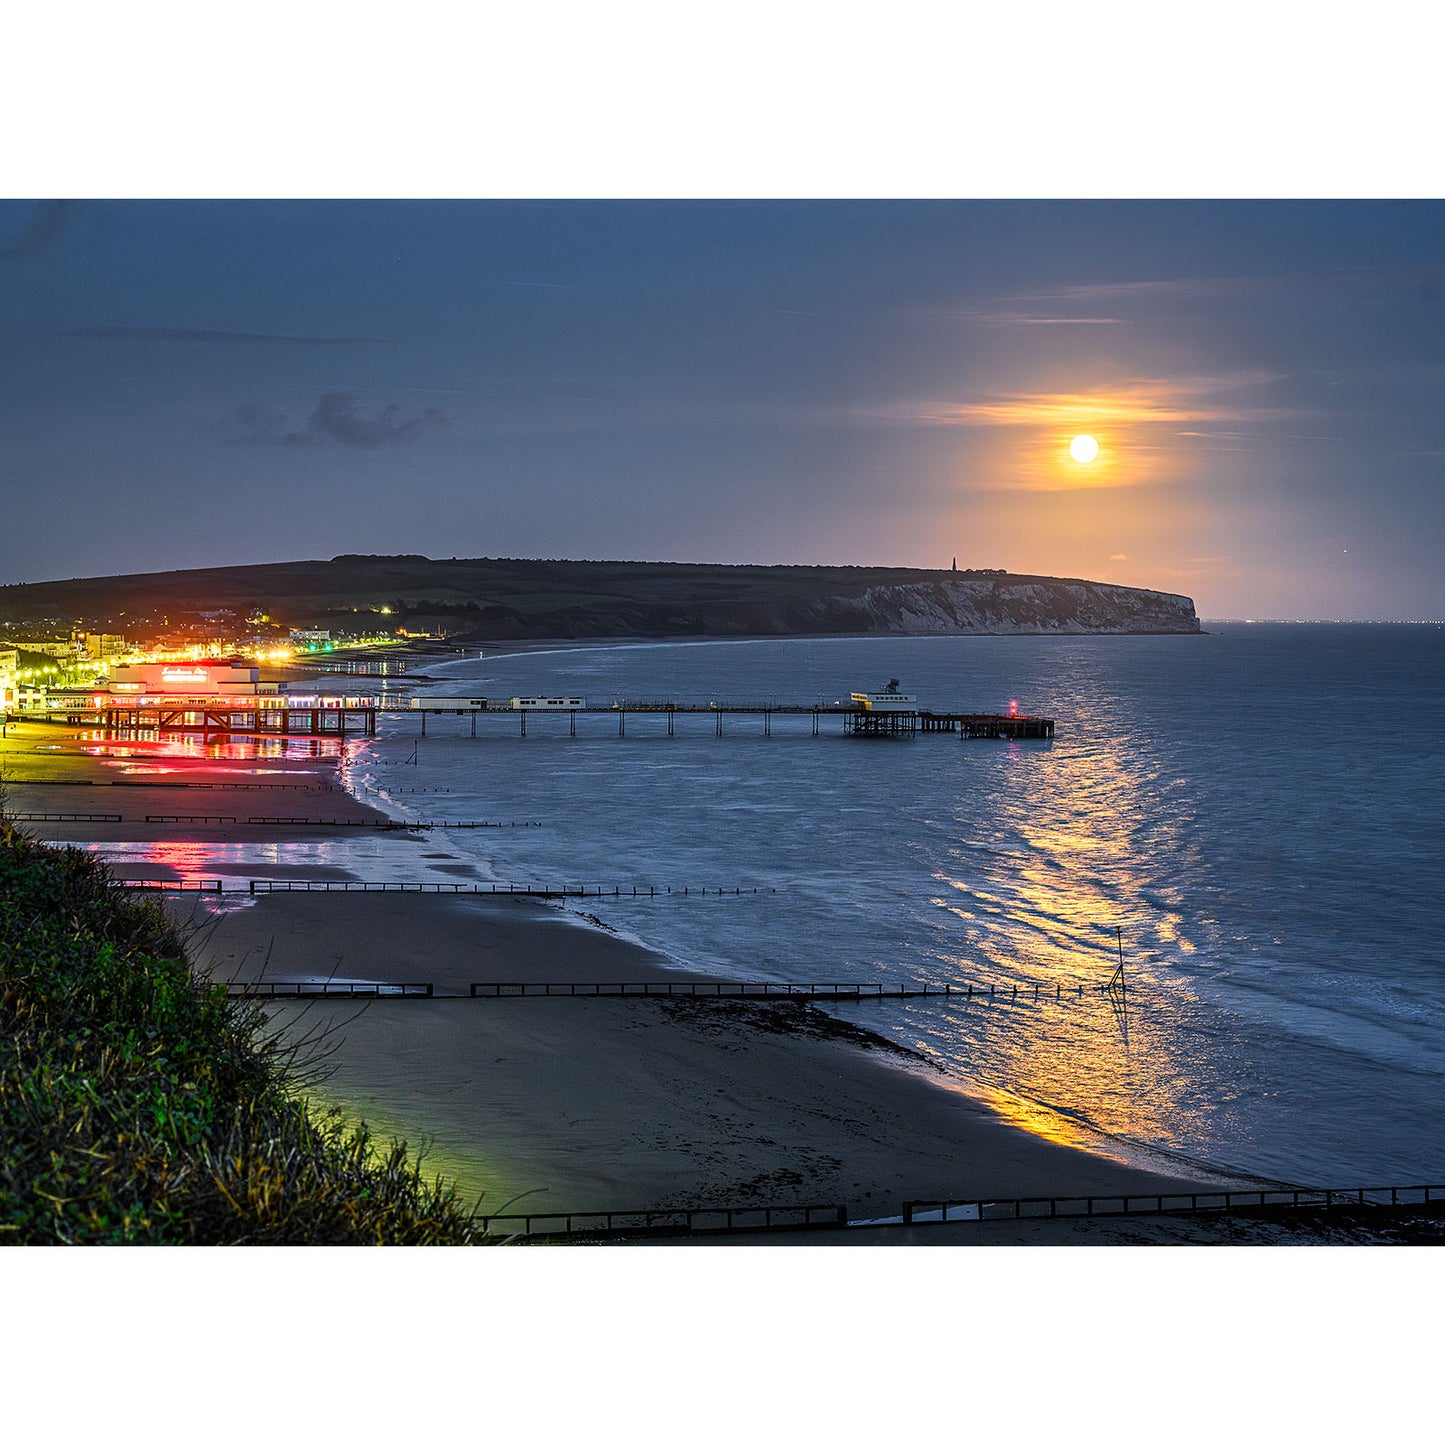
(1258, 811)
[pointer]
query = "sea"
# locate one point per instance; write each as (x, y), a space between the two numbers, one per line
(1244, 827)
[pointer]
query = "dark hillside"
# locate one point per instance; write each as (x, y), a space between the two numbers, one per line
(481, 599)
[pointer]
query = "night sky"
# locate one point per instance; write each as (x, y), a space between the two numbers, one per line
(195, 383)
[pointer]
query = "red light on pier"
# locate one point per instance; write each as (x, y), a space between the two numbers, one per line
(1013, 707)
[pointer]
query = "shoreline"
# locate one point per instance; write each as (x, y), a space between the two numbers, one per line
(576, 1104)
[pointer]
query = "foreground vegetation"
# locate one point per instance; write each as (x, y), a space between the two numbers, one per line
(141, 1105)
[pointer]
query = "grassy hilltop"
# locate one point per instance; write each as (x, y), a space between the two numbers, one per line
(483, 599)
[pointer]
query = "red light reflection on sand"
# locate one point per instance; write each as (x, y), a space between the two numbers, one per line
(171, 860)
(201, 749)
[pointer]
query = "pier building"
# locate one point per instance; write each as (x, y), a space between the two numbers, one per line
(207, 697)
(889, 713)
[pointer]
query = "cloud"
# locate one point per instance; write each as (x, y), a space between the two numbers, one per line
(45, 223)
(1024, 318)
(338, 420)
(1118, 556)
(176, 333)
(1423, 283)
(1141, 400)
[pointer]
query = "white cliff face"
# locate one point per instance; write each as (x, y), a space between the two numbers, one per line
(1001, 606)
(980, 605)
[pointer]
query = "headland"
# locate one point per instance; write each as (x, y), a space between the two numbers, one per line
(487, 599)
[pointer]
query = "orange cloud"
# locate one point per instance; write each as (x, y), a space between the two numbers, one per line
(1137, 423)
(1140, 401)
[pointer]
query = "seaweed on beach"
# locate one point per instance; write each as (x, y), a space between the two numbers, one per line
(139, 1103)
(781, 1015)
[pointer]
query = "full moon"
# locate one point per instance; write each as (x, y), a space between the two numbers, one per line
(1083, 449)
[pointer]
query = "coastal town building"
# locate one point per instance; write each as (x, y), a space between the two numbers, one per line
(100, 646)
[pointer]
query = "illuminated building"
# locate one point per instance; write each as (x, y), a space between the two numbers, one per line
(198, 682)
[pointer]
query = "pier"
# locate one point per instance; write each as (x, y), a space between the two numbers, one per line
(865, 715)
(854, 719)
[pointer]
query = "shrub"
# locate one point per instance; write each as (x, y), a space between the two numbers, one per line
(138, 1103)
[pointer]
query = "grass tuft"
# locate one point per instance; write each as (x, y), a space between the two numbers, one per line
(140, 1104)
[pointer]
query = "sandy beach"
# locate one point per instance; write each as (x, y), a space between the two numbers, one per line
(540, 1104)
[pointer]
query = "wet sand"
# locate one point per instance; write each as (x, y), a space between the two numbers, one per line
(555, 1103)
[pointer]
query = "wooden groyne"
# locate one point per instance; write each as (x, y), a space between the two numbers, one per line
(787, 992)
(726, 991)
(66, 817)
(328, 989)
(519, 890)
(487, 890)
(956, 1211)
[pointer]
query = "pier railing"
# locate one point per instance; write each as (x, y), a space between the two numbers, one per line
(621, 1223)
(955, 1211)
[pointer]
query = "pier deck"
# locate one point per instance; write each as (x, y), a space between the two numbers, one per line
(252, 720)
(312, 721)
(855, 720)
